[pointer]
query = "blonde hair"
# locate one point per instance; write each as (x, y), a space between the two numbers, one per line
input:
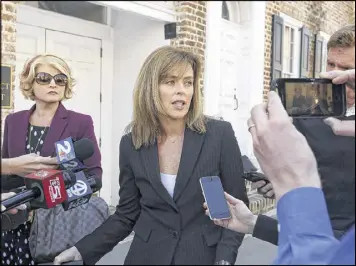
(27, 76)
(344, 37)
(145, 127)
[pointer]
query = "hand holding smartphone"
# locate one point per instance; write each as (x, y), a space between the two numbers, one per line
(311, 97)
(213, 193)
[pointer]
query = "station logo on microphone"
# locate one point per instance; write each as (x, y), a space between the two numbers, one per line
(55, 189)
(65, 150)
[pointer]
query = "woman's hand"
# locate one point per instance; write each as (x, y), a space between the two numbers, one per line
(71, 254)
(242, 219)
(29, 163)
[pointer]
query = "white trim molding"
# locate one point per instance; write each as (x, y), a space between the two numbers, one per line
(144, 8)
(212, 58)
(324, 35)
(291, 21)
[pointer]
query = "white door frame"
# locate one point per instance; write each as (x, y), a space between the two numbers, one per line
(212, 57)
(50, 20)
(145, 8)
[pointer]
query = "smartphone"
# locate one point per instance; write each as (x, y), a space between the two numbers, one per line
(311, 97)
(213, 192)
(255, 176)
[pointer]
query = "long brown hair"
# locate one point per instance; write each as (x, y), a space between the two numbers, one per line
(145, 126)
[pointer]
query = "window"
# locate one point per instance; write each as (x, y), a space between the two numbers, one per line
(288, 52)
(287, 36)
(291, 47)
(79, 9)
(320, 53)
(324, 52)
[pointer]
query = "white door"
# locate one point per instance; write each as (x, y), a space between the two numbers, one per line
(30, 41)
(83, 57)
(234, 103)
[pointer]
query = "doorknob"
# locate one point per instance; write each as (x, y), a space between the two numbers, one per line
(236, 100)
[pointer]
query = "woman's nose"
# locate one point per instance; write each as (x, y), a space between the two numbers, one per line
(52, 83)
(179, 87)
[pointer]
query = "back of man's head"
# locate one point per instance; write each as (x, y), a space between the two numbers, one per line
(343, 38)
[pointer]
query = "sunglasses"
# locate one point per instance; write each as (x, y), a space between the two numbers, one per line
(43, 78)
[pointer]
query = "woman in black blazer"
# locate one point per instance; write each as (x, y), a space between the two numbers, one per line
(170, 144)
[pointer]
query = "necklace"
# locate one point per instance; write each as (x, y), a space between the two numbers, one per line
(173, 140)
(39, 139)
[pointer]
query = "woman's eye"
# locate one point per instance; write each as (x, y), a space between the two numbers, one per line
(170, 82)
(188, 83)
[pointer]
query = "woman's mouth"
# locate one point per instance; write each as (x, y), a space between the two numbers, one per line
(53, 93)
(179, 105)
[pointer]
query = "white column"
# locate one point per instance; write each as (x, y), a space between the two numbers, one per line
(212, 58)
(258, 58)
(257, 61)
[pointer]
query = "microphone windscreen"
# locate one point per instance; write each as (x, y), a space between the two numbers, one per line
(94, 182)
(84, 149)
(69, 178)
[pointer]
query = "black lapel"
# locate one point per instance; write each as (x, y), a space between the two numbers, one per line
(192, 145)
(150, 160)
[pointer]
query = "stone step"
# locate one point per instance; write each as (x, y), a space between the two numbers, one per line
(261, 205)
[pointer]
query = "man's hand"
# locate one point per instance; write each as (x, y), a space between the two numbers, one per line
(5, 196)
(282, 152)
(263, 188)
(340, 76)
(242, 219)
(29, 163)
(341, 128)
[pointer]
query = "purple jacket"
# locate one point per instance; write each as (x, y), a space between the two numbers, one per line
(65, 124)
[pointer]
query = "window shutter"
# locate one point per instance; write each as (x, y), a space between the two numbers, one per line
(277, 47)
(305, 53)
(318, 55)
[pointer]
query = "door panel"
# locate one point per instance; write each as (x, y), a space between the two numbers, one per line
(30, 41)
(83, 56)
(234, 104)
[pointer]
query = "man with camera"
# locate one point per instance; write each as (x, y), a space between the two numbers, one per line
(335, 154)
(305, 235)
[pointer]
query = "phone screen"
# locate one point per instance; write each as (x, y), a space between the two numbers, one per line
(312, 97)
(214, 196)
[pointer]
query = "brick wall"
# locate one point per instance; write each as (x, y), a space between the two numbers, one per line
(191, 28)
(8, 43)
(326, 16)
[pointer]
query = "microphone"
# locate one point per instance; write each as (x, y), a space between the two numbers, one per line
(78, 151)
(45, 189)
(70, 155)
(81, 192)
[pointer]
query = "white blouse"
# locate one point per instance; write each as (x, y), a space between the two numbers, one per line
(169, 182)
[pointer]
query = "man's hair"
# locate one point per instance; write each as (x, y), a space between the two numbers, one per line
(344, 37)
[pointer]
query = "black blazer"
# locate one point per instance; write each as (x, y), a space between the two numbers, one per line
(266, 229)
(172, 230)
(335, 156)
